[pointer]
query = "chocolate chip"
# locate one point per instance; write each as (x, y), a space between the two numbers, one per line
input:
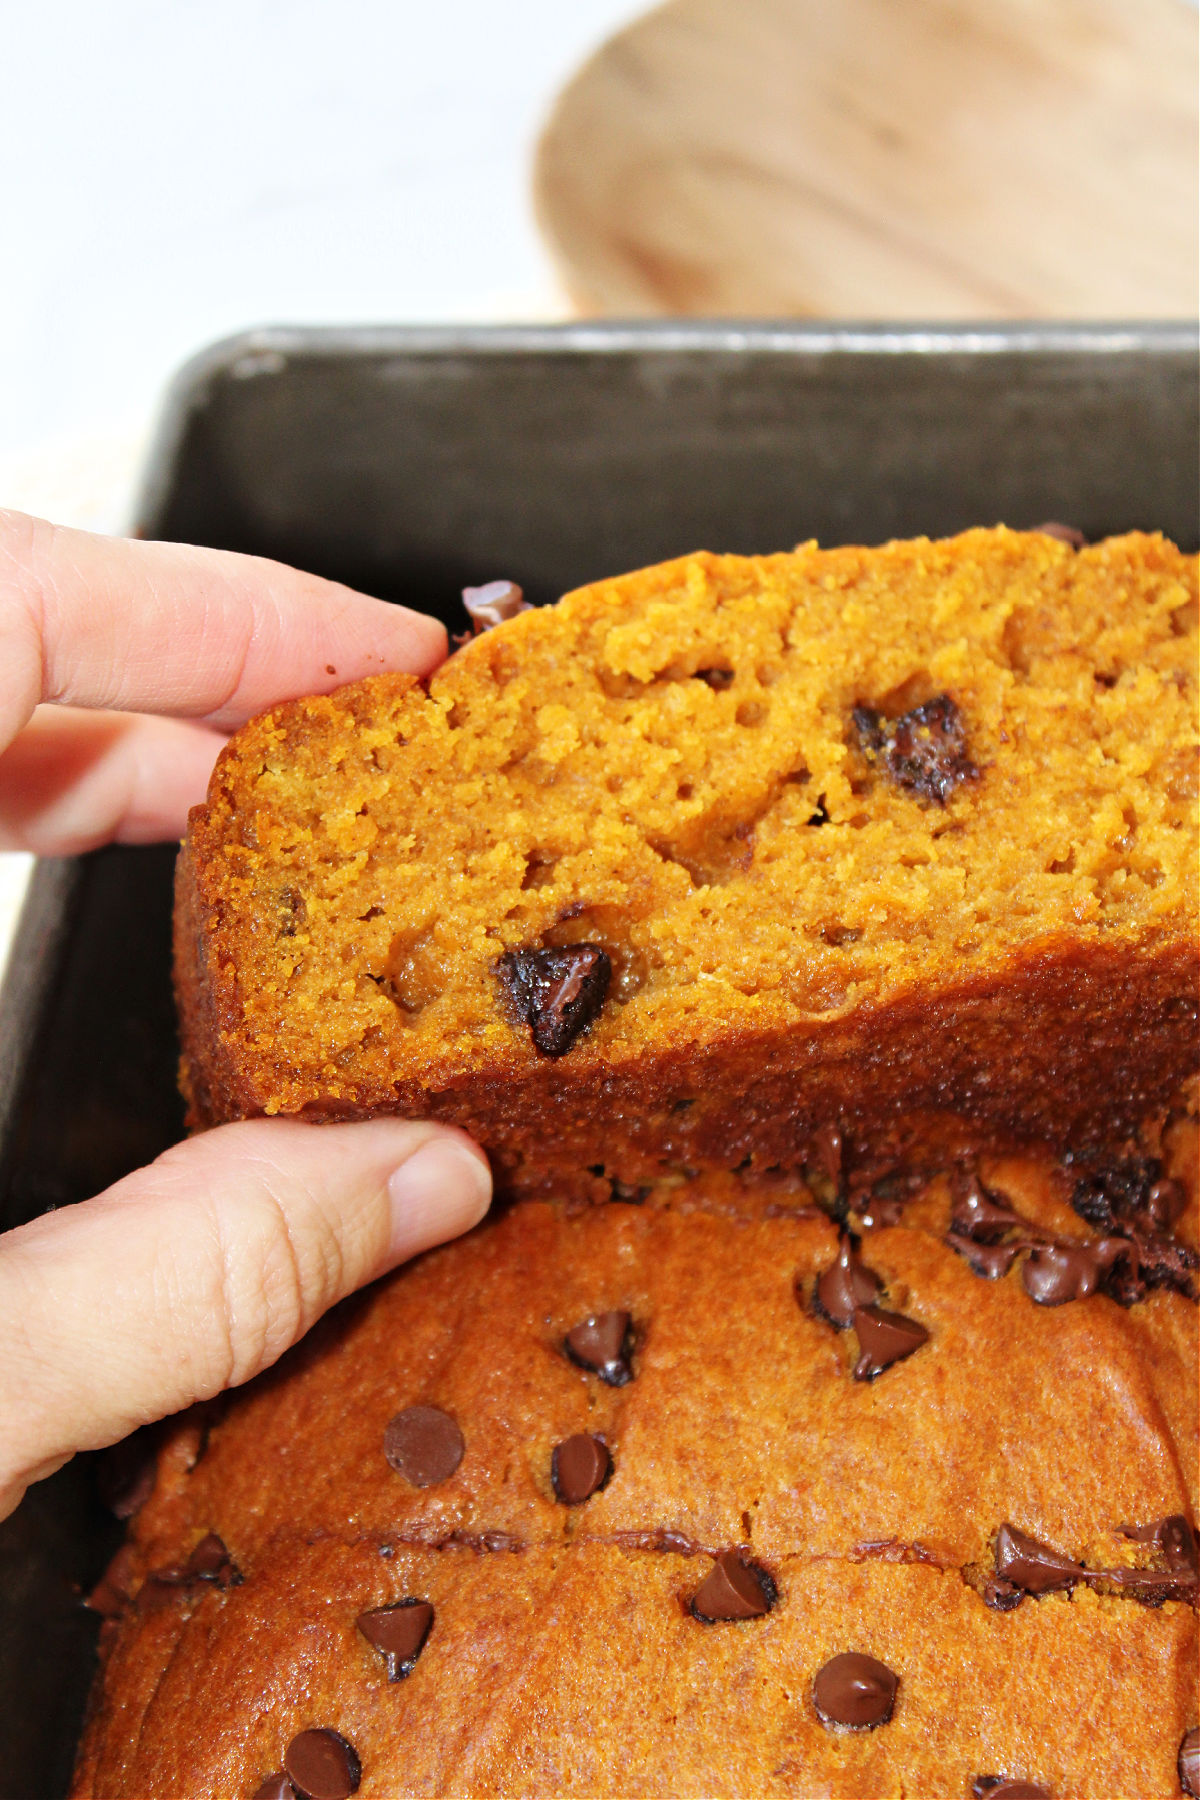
(997, 1787)
(1031, 1566)
(733, 1589)
(321, 1765)
(884, 1338)
(845, 1285)
(1189, 1762)
(1066, 534)
(209, 1561)
(978, 1213)
(423, 1444)
(924, 751)
(1056, 1273)
(603, 1344)
(493, 604)
(558, 993)
(989, 1260)
(275, 1787)
(579, 1466)
(1172, 1536)
(855, 1691)
(717, 679)
(1002, 1596)
(398, 1632)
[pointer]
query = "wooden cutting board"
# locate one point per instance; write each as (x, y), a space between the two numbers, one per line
(881, 159)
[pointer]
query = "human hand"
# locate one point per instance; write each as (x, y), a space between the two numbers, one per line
(121, 666)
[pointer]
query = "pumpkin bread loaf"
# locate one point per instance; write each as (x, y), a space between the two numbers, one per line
(746, 1489)
(709, 860)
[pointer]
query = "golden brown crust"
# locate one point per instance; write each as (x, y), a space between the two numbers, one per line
(528, 1652)
(563, 1657)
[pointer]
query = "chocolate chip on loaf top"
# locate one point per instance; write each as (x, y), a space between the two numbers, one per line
(593, 1503)
(707, 858)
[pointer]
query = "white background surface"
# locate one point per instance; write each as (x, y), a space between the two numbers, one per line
(175, 170)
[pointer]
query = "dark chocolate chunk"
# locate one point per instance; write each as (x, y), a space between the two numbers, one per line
(1066, 534)
(733, 1589)
(603, 1344)
(884, 1338)
(989, 1260)
(209, 1561)
(845, 1285)
(1033, 1567)
(856, 1691)
(398, 1632)
(321, 1765)
(557, 993)
(998, 1787)
(1189, 1762)
(493, 604)
(423, 1444)
(924, 751)
(1056, 1273)
(579, 1466)
(275, 1787)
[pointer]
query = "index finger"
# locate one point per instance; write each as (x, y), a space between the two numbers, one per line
(170, 628)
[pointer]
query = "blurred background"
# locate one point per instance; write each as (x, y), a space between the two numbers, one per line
(177, 171)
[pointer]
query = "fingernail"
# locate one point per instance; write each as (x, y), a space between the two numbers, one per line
(443, 1189)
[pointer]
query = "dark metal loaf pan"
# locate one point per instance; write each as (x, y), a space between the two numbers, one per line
(411, 462)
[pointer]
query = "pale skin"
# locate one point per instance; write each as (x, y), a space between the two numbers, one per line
(122, 668)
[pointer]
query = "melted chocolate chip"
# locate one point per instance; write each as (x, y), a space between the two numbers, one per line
(1172, 1536)
(209, 1561)
(493, 604)
(1033, 1567)
(275, 1787)
(998, 1787)
(321, 1765)
(733, 1589)
(989, 1260)
(423, 1444)
(924, 751)
(884, 1338)
(1189, 1762)
(845, 1285)
(557, 993)
(579, 1466)
(398, 1632)
(1002, 1596)
(978, 1213)
(1056, 1273)
(855, 1691)
(603, 1344)
(1066, 534)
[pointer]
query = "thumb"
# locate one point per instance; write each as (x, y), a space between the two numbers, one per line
(193, 1274)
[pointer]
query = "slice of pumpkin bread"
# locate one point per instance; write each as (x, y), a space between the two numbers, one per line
(712, 860)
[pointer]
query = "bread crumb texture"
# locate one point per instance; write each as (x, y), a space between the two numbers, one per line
(697, 767)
